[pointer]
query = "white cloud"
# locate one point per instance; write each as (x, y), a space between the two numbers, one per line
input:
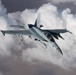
(52, 19)
(61, 1)
(4, 24)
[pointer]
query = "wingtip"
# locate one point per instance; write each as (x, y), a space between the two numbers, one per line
(3, 32)
(69, 31)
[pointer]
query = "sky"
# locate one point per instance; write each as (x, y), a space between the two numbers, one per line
(21, 5)
(28, 57)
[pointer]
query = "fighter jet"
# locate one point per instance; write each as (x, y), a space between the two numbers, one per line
(42, 35)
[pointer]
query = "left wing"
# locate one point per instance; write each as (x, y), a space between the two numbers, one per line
(55, 33)
(22, 32)
(58, 31)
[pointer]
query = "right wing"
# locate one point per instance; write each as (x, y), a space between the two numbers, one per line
(22, 32)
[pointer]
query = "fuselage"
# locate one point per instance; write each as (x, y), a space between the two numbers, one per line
(38, 34)
(43, 36)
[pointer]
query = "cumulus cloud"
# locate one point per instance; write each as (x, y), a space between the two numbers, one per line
(3, 25)
(62, 1)
(54, 20)
(51, 18)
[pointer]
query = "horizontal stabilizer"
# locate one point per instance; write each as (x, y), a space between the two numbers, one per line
(18, 26)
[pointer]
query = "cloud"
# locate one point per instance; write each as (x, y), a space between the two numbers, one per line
(51, 18)
(15, 66)
(46, 72)
(1, 73)
(62, 1)
(54, 20)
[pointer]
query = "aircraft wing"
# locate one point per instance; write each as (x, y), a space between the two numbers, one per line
(22, 32)
(59, 31)
(18, 26)
(56, 32)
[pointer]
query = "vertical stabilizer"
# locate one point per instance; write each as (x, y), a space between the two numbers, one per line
(37, 22)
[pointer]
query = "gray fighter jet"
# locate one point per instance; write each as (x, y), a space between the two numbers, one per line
(42, 35)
